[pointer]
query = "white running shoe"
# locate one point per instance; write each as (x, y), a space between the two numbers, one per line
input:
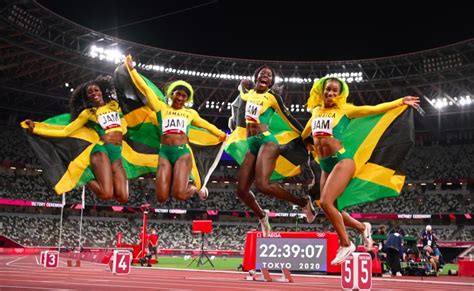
(265, 225)
(398, 274)
(309, 210)
(366, 236)
(342, 254)
(203, 194)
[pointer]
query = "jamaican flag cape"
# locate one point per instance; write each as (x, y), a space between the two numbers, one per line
(283, 126)
(143, 125)
(379, 144)
(66, 160)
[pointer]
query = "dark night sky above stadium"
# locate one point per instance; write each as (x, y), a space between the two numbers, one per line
(296, 30)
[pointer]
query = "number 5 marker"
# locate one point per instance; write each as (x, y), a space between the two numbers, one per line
(357, 272)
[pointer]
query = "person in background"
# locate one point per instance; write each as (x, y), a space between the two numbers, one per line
(381, 230)
(153, 244)
(431, 258)
(394, 250)
(429, 238)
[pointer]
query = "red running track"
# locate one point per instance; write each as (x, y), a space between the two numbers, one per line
(22, 273)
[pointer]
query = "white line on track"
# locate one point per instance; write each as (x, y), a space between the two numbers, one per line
(130, 287)
(202, 278)
(320, 276)
(31, 287)
(20, 258)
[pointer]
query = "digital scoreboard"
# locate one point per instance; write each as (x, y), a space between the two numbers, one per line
(295, 254)
(296, 251)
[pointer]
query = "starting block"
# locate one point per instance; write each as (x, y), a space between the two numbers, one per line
(266, 277)
(356, 272)
(49, 259)
(120, 262)
(70, 263)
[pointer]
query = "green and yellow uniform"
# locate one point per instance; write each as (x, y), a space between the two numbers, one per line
(377, 138)
(103, 120)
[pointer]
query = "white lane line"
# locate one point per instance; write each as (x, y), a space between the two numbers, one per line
(404, 280)
(36, 282)
(422, 282)
(20, 258)
(322, 276)
(30, 287)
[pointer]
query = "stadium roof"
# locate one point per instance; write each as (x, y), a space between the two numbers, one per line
(44, 55)
(265, 30)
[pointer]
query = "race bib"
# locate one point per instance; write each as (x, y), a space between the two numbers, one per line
(174, 125)
(322, 126)
(252, 111)
(109, 120)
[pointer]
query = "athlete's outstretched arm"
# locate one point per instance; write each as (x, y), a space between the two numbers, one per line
(79, 122)
(359, 111)
(154, 101)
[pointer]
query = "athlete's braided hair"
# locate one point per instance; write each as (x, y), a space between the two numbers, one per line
(79, 100)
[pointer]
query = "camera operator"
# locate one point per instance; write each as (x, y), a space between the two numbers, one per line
(429, 238)
(430, 256)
